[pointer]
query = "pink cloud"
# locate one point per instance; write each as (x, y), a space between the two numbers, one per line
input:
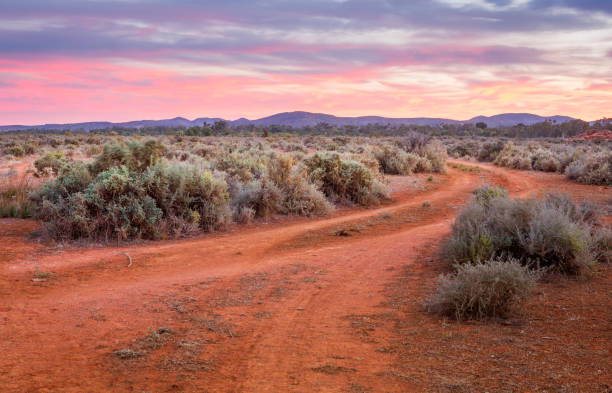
(65, 90)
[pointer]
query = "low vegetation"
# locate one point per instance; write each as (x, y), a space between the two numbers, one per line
(582, 161)
(552, 233)
(499, 246)
(492, 288)
(111, 188)
(14, 190)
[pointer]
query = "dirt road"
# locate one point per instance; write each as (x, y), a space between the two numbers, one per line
(298, 305)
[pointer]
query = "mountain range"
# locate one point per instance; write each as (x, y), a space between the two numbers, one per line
(301, 119)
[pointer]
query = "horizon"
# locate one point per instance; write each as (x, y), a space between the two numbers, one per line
(123, 60)
(294, 111)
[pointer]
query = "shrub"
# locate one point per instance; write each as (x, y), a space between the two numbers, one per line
(30, 148)
(483, 290)
(549, 233)
(241, 166)
(303, 198)
(513, 157)
(435, 153)
(553, 239)
(122, 203)
(14, 202)
(344, 180)
(393, 161)
(283, 189)
(49, 164)
(135, 156)
(485, 193)
(16, 151)
(117, 203)
(543, 160)
(415, 142)
(601, 244)
(592, 169)
(261, 197)
(464, 149)
(489, 150)
(184, 191)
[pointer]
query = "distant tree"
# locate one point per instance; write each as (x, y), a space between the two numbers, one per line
(220, 126)
(482, 125)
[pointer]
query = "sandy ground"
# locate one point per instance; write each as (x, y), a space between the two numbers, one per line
(297, 305)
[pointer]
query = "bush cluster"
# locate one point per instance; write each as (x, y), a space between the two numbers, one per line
(413, 154)
(128, 193)
(499, 247)
(487, 289)
(345, 181)
(14, 202)
(131, 190)
(553, 232)
(592, 169)
(584, 162)
(282, 188)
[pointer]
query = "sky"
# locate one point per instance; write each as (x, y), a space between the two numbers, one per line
(119, 60)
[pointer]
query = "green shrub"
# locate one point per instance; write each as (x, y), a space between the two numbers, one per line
(343, 180)
(49, 164)
(135, 156)
(415, 142)
(489, 151)
(601, 243)
(194, 196)
(393, 161)
(261, 197)
(513, 157)
(16, 151)
(14, 202)
(435, 153)
(464, 149)
(122, 203)
(283, 189)
(241, 166)
(592, 169)
(30, 148)
(543, 160)
(485, 193)
(483, 290)
(547, 233)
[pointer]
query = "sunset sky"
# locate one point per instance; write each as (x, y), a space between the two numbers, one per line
(72, 61)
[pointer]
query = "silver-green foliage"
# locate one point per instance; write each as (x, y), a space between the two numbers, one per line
(552, 232)
(492, 288)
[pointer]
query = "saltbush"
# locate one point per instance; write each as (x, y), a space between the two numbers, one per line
(592, 169)
(393, 161)
(489, 150)
(135, 200)
(483, 290)
(551, 233)
(282, 189)
(344, 181)
(135, 156)
(49, 164)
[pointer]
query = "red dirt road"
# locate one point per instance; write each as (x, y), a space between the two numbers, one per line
(287, 307)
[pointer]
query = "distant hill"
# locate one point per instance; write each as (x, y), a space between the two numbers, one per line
(511, 119)
(301, 119)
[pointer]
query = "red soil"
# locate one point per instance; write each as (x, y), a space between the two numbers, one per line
(291, 306)
(591, 135)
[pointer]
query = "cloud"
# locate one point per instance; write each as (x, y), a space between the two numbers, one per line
(399, 56)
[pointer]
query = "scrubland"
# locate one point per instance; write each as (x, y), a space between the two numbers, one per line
(119, 188)
(301, 263)
(587, 162)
